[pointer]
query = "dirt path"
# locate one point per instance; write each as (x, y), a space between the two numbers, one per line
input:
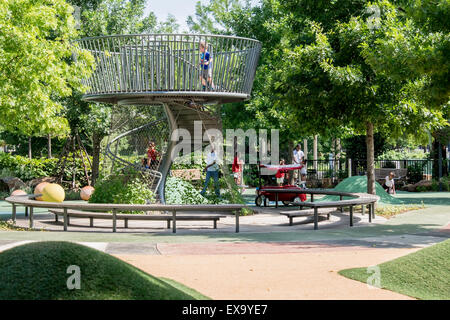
(309, 274)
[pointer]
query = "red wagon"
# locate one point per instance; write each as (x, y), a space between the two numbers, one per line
(286, 197)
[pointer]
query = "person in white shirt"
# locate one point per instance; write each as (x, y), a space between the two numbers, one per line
(389, 184)
(212, 170)
(298, 158)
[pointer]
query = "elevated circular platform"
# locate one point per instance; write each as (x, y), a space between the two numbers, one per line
(149, 68)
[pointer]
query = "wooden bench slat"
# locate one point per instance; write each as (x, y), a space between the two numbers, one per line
(100, 215)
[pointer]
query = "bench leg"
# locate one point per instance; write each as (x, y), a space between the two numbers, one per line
(174, 219)
(236, 213)
(68, 220)
(125, 223)
(373, 210)
(91, 221)
(56, 218)
(215, 224)
(13, 214)
(114, 220)
(363, 209)
(342, 208)
(65, 219)
(168, 224)
(26, 211)
(291, 221)
(276, 200)
(351, 216)
(31, 218)
(316, 218)
(328, 216)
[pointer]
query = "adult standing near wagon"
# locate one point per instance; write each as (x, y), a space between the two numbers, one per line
(212, 170)
(297, 158)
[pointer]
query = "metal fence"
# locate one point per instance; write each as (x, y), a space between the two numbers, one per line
(319, 169)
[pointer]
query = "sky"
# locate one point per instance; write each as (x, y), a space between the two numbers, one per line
(181, 9)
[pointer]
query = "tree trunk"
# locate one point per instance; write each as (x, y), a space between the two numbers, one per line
(29, 148)
(435, 156)
(305, 148)
(49, 146)
(370, 159)
(96, 140)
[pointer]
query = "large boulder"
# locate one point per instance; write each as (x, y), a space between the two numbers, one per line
(424, 183)
(33, 183)
(9, 184)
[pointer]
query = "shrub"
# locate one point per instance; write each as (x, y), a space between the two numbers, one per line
(122, 189)
(28, 169)
(415, 172)
(179, 191)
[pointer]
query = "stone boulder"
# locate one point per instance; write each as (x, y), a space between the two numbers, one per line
(9, 184)
(33, 183)
(424, 183)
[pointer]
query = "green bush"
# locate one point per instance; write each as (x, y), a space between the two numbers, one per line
(122, 189)
(415, 172)
(179, 191)
(27, 169)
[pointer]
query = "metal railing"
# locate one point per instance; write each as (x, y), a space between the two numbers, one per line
(129, 65)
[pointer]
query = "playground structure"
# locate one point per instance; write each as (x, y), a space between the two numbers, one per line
(166, 71)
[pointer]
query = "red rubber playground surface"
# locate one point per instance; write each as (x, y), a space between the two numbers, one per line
(294, 270)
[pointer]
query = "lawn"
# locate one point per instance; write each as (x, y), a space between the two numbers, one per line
(39, 271)
(424, 274)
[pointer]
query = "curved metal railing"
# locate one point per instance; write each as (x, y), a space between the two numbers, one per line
(170, 65)
(142, 136)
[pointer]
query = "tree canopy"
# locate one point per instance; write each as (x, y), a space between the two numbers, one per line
(36, 65)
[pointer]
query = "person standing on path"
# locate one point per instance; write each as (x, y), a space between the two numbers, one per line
(212, 170)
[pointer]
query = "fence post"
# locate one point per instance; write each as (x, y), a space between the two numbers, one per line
(349, 164)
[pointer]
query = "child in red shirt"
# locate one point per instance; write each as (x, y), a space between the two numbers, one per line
(280, 174)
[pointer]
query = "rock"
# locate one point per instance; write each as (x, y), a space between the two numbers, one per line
(424, 183)
(3, 186)
(33, 183)
(12, 184)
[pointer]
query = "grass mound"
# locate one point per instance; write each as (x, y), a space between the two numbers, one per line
(39, 271)
(359, 184)
(424, 274)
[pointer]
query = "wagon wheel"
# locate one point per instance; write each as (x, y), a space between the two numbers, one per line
(297, 200)
(259, 200)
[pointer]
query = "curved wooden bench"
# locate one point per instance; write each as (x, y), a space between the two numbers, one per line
(361, 199)
(65, 207)
(126, 217)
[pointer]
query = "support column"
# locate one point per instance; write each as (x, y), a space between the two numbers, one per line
(315, 151)
(166, 162)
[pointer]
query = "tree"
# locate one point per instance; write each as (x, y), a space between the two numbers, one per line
(36, 65)
(315, 73)
(215, 17)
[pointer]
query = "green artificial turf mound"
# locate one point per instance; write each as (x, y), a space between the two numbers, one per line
(358, 184)
(39, 271)
(424, 274)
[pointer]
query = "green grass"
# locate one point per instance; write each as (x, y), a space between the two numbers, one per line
(424, 274)
(39, 271)
(359, 184)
